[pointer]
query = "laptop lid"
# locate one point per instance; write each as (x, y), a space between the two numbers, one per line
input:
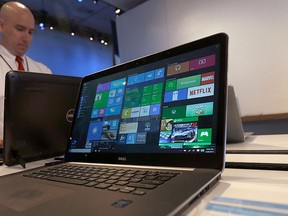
(38, 114)
(166, 109)
(235, 131)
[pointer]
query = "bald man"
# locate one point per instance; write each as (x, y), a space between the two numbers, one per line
(16, 27)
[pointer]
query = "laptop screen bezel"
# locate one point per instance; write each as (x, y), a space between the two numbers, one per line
(213, 160)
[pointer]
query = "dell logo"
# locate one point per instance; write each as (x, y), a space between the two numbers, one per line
(70, 115)
(122, 159)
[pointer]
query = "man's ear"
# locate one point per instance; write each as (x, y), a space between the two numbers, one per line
(1, 24)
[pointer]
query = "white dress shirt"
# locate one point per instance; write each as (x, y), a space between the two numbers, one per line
(7, 61)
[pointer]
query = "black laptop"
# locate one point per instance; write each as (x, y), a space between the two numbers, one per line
(38, 114)
(148, 138)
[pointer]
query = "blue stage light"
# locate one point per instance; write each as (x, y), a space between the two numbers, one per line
(41, 25)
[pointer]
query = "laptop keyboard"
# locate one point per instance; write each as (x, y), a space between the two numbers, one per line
(133, 181)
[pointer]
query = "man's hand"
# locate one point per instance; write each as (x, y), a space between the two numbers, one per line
(1, 143)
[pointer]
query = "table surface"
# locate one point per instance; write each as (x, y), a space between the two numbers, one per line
(262, 142)
(244, 184)
(260, 149)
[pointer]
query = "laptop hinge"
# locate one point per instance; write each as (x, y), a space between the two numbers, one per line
(19, 159)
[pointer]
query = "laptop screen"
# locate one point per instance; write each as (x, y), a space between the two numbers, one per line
(163, 104)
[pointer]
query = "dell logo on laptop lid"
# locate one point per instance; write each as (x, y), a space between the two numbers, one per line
(70, 115)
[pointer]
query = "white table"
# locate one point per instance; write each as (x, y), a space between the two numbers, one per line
(262, 142)
(255, 185)
(266, 143)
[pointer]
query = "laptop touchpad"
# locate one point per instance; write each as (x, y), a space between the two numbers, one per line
(31, 196)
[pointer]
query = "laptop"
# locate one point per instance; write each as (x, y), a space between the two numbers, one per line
(38, 113)
(148, 138)
(235, 131)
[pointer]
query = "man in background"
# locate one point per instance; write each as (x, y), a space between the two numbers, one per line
(17, 24)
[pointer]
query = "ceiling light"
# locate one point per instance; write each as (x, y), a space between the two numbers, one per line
(43, 19)
(103, 41)
(117, 11)
(72, 33)
(51, 28)
(42, 25)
